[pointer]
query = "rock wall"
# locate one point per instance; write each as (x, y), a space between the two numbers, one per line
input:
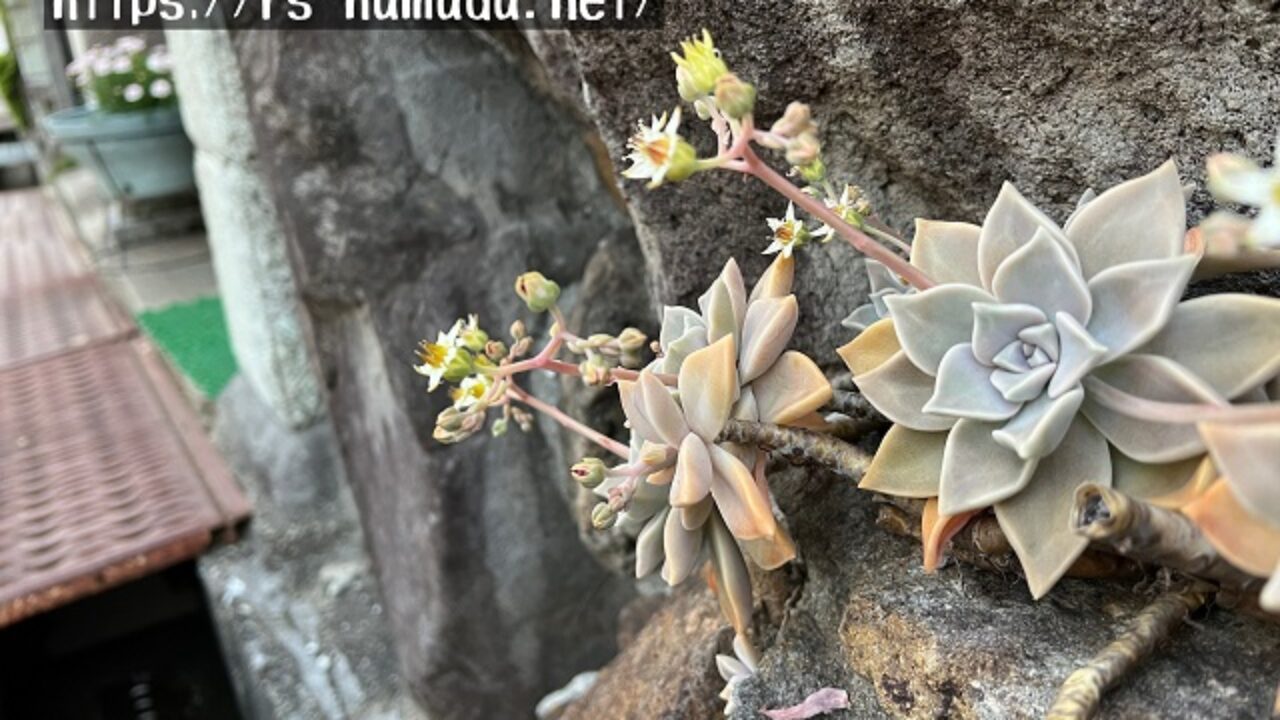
(415, 175)
(929, 105)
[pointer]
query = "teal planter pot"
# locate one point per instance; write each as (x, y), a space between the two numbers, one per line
(140, 155)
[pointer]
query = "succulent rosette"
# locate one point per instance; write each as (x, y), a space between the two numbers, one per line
(1006, 381)
(701, 497)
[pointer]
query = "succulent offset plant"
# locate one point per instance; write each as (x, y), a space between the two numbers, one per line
(1003, 379)
(688, 492)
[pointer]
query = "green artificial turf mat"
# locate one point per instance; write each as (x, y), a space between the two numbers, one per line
(194, 336)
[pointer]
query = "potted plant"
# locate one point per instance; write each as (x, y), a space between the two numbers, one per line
(129, 130)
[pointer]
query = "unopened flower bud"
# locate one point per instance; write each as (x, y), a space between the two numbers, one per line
(499, 427)
(521, 348)
(814, 172)
(632, 340)
(537, 291)
(518, 330)
(495, 350)
(654, 454)
(598, 341)
(474, 339)
(736, 98)
(588, 472)
(795, 121)
(449, 419)
(702, 66)
(595, 370)
(462, 365)
(686, 85)
(803, 149)
(603, 517)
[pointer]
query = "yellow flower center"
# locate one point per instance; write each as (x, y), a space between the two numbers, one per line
(657, 151)
(432, 354)
(785, 233)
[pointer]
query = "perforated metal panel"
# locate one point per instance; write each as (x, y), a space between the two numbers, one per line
(105, 473)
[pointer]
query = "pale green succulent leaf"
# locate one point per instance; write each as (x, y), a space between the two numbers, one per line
(720, 316)
(1044, 336)
(770, 553)
(930, 323)
(1151, 481)
(743, 504)
(649, 553)
(908, 464)
(732, 577)
(1248, 454)
(776, 280)
(947, 251)
(1043, 273)
(793, 387)
(1153, 378)
(765, 333)
(629, 396)
(692, 481)
(708, 385)
(1142, 219)
(1078, 355)
(1231, 341)
(1010, 223)
(964, 389)
(1037, 520)
(1131, 302)
(681, 547)
(1039, 426)
(863, 317)
(664, 414)
(977, 472)
(676, 322)
(695, 516)
(1021, 387)
(997, 325)
(899, 390)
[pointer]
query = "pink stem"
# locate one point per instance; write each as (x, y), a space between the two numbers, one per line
(1116, 399)
(816, 208)
(569, 423)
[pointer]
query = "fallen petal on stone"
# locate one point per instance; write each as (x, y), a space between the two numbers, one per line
(947, 251)
(908, 464)
(976, 471)
(1142, 219)
(1231, 341)
(1037, 520)
(1131, 302)
(708, 385)
(819, 703)
(765, 334)
(997, 325)
(931, 322)
(964, 390)
(792, 388)
(1039, 427)
(1043, 273)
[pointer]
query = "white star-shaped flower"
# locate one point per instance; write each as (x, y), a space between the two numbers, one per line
(658, 149)
(788, 233)
(434, 358)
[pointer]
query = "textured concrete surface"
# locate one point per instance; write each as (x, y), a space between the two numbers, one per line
(264, 316)
(416, 174)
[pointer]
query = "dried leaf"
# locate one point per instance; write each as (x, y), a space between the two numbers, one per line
(819, 703)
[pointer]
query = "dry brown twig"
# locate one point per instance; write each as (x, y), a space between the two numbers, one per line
(800, 447)
(1082, 692)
